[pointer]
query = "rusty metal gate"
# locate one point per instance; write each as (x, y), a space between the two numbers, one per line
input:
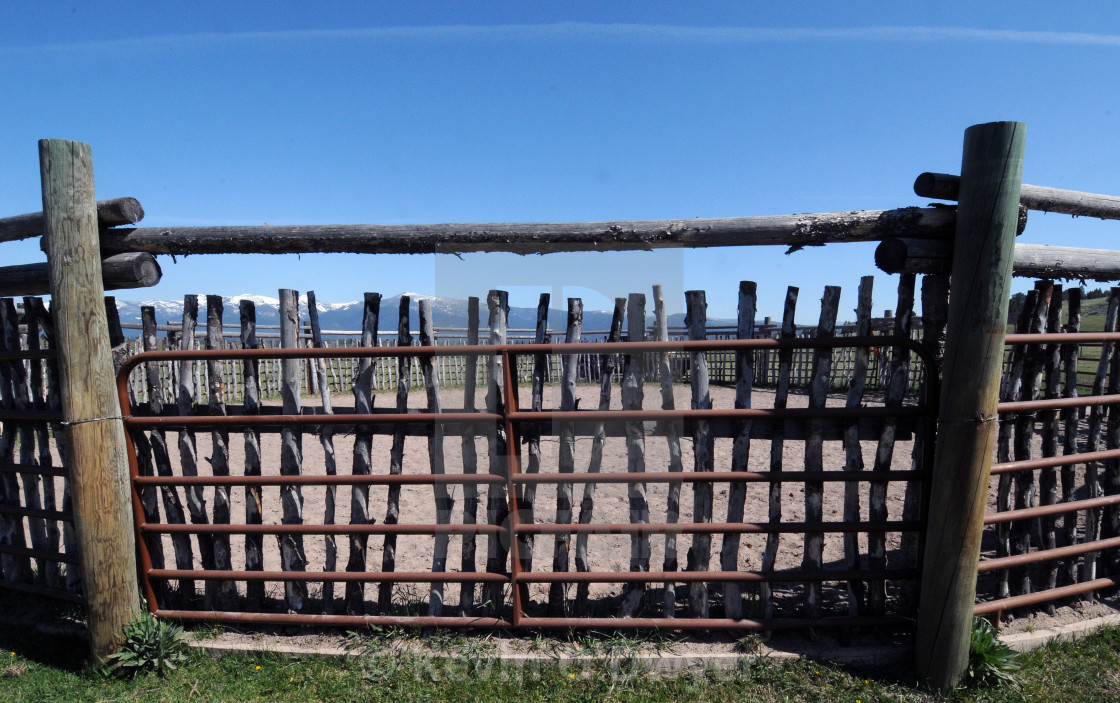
(514, 421)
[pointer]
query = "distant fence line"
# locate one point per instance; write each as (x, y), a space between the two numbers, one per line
(452, 370)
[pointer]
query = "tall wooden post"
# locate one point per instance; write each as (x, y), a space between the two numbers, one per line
(991, 176)
(98, 464)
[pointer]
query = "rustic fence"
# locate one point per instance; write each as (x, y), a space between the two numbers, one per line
(854, 568)
(451, 369)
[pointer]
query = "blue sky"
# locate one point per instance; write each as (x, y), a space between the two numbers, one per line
(292, 113)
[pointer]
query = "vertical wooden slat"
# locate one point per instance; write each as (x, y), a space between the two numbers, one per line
(1096, 421)
(587, 503)
(703, 444)
(567, 462)
(219, 442)
(853, 452)
(292, 557)
(36, 527)
(470, 461)
(363, 455)
(1024, 435)
(935, 315)
(1006, 432)
(326, 439)
(1071, 421)
(633, 378)
(533, 438)
(16, 568)
(73, 577)
(898, 381)
(1110, 478)
(740, 450)
(31, 310)
(445, 500)
(396, 457)
(673, 431)
(250, 370)
(188, 453)
(497, 507)
(814, 448)
(781, 395)
(1051, 433)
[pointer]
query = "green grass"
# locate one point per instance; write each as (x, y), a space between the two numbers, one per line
(43, 669)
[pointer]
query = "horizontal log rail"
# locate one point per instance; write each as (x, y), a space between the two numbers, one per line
(110, 213)
(120, 271)
(931, 256)
(538, 238)
(514, 480)
(944, 186)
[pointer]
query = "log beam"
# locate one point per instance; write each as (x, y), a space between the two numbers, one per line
(135, 270)
(110, 213)
(538, 238)
(905, 255)
(944, 186)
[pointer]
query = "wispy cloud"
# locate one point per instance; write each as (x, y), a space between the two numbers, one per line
(575, 31)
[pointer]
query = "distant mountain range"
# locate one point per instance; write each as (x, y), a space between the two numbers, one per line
(447, 313)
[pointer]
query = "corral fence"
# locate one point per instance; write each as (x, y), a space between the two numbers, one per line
(867, 536)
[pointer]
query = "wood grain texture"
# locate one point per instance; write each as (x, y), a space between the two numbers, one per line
(363, 455)
(250, 374)
(292, 557)
(326, 440)
(740, 449)
(991, 173)
(633, 379)
(703, 450)
(470, 462)
(110, 213)
(673, 431)
(134, 270)
(98, 464)
(567, 460)
(396, 458)
(538, 238)
(853, 452)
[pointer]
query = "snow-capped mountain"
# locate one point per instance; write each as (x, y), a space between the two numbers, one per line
(446, 313)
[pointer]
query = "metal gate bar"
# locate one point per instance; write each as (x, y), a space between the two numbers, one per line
(511, 419)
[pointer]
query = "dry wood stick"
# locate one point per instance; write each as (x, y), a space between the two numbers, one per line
(1110, 481)
(853, 452)
(219, 439)
(363, 455)
(292, 557)
(741, 449)
(899, 371)
(445, 499)
(533, 438)
(20, 400)
(254, 544)
(1096, 420)
(497, 507)
(396, 458)
(1005, 435)
(31, 311)
(673, 432)
(1071, 420)
(587, 503)
(1051, 430)
(1024, 435)
(699, 555)
(326, 439)
(633, 377)
(16, 568)
(935, 317)
(470, 461)
(54, 404)
(188, 453)
(814, 449)
(567, 462)
(781, 394)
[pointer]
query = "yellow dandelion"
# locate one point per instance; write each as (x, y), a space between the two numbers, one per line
(258, 667)
(571, 676)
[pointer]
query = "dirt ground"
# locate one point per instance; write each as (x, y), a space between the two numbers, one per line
(607, 553)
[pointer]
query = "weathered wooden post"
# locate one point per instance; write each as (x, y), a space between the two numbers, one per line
(991, 176)
(98, 464)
